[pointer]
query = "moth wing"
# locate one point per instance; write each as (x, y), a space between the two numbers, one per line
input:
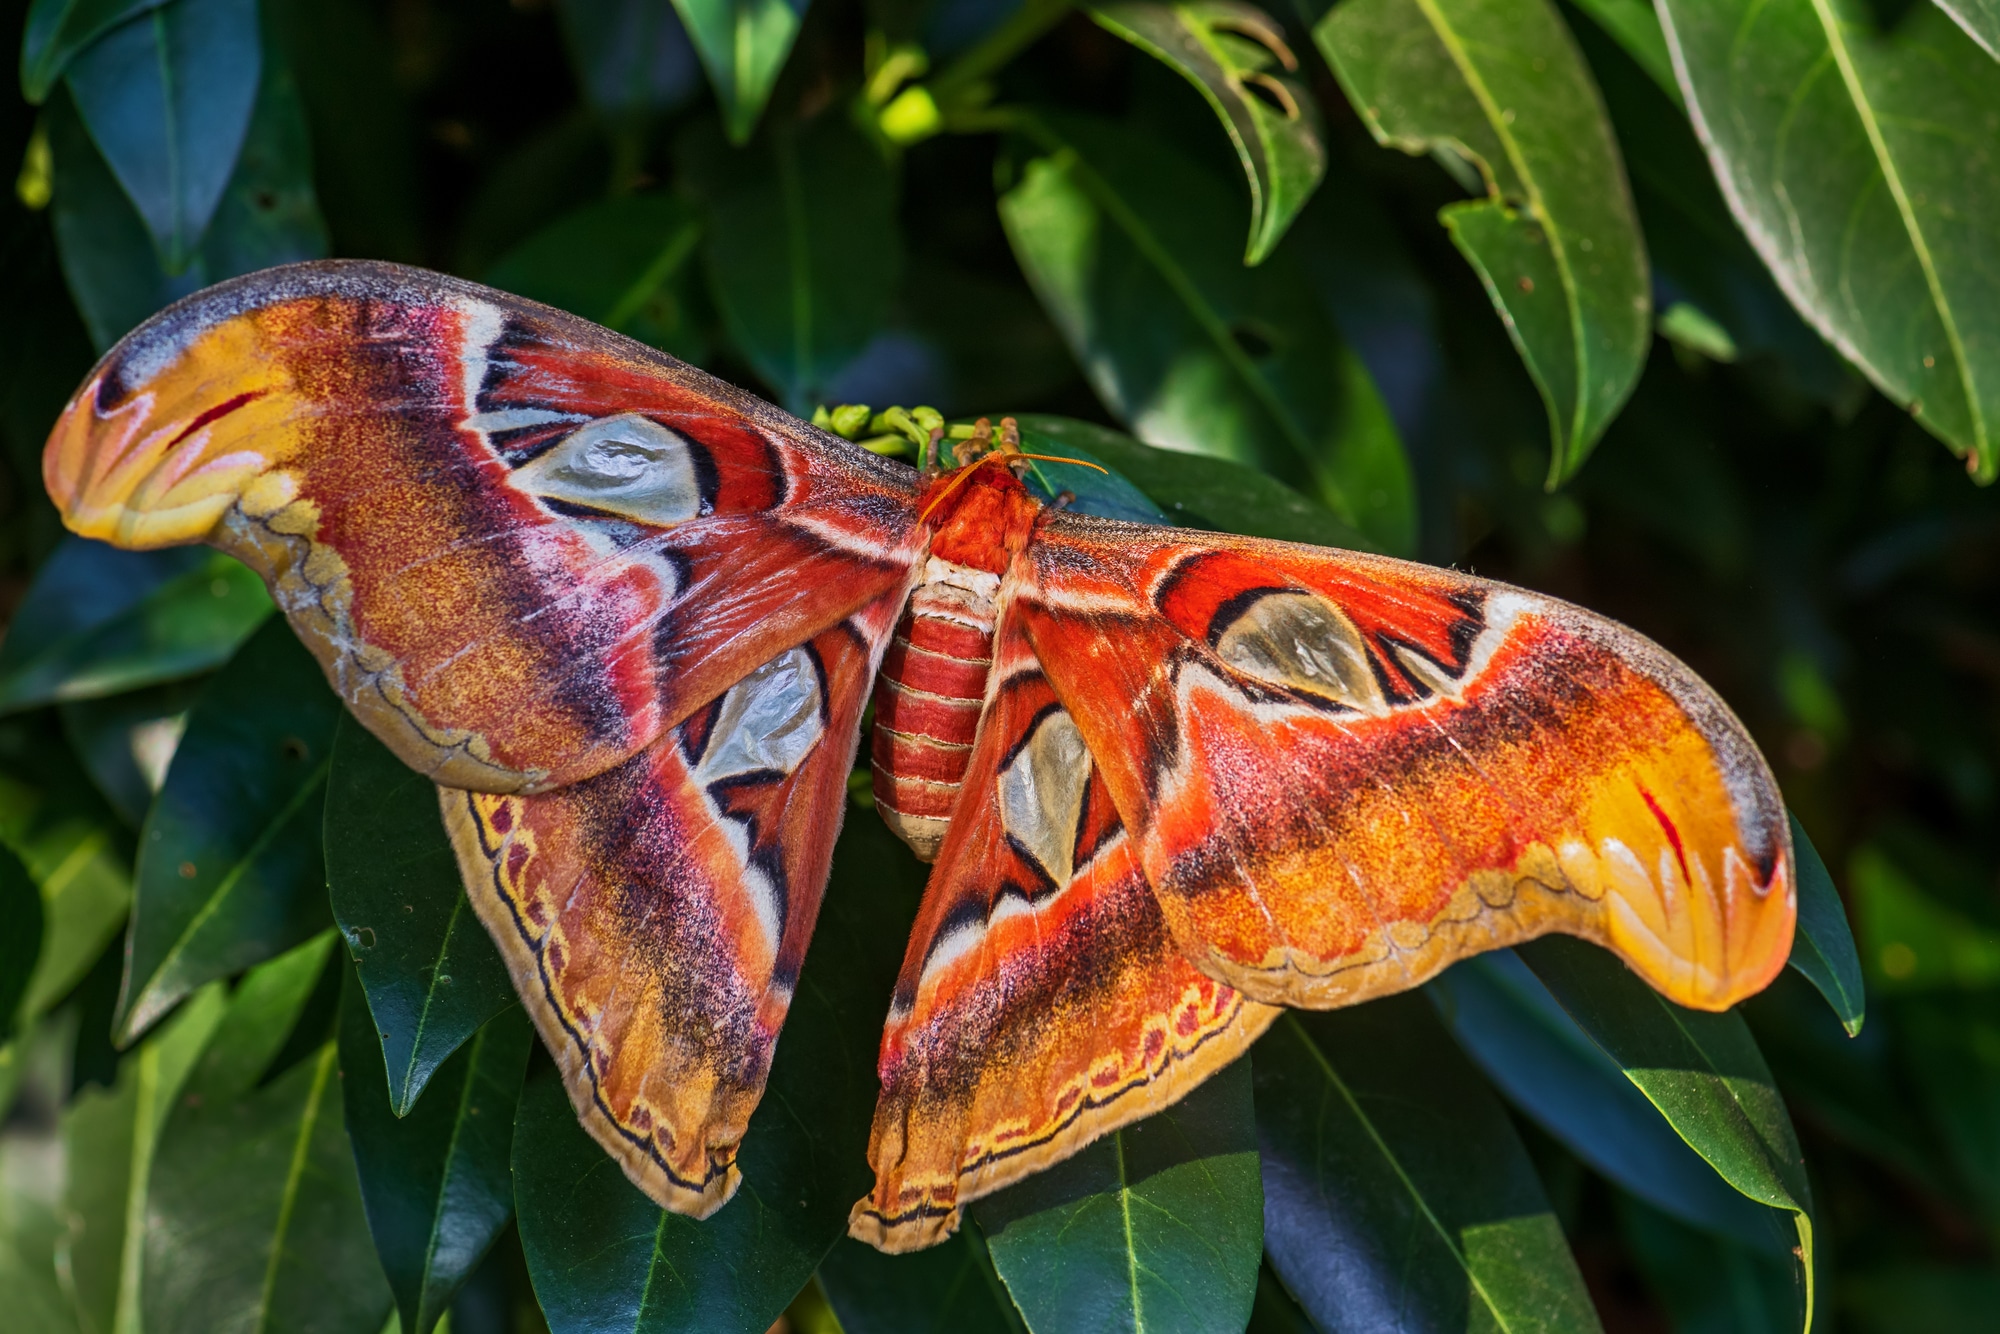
(522, 546)
(1342, 772)
(1042, 1002)
(654, 916)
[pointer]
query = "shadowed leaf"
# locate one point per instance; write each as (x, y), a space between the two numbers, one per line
(1824, 949)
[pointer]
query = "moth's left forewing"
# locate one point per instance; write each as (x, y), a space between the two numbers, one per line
(1343, 772)
(654, 917)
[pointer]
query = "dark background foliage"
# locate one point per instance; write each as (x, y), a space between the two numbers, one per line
(201, 1131)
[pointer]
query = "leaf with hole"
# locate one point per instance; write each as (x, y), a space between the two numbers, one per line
(230, 871)
(436, 1182)
(1158, 1226)
(1555, 242)
(1863, 167)
(1397, 1194)
(1236, 55)
(427, 967)
(1130, 247)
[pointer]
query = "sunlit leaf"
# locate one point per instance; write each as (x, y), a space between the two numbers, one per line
(430, 973)
(58, 29)
(436, 1182)
(947, 1289)
(1397, 1195)
(1824, 948)
(167, 96)
(1131, 248)
(1879, 233)
(98, 621)
(1979, 18)
(1159, 1226)
(1236, 55)
(1703, 1071)
(230, 871)
(603, 1256)
(1534, 1053)
(622, 263)
(743, 45)
(1555, 241)
(802, 247)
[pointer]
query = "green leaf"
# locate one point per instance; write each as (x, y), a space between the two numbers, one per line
(230, 871)
(603, 1256)
(127, 741)
(1159, 1226)
(802, 246)
(98, 621)
(1533, 1052)
(167, 96)
(621, 263)
(948, 1289)
(1129, 245)
(1824, 948)
(59, 29)
(1880, 233)
(254, 1218)
(74, 850)
(109, 1137)
(436, 1182)
(430, 973)
(1703, 1071)
(1199, 491)
(21, 942)
(1228, 50)
(267, 215)
(1703, 1281)
(1500, 84)
(1914, 940)
(1980, 19)
(1397, 1194)
(1109, 494)
(632, 57)
(1634, 26)
(742, 45)
(264, 1010)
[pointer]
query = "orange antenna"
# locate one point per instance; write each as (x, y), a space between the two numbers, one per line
(967, 471)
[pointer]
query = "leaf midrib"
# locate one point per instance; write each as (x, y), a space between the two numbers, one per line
(294, 1175)
(445, 1179)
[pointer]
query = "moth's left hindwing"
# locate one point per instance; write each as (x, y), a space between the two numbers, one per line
(522, 546)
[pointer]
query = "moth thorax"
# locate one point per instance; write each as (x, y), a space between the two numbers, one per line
(928, 699)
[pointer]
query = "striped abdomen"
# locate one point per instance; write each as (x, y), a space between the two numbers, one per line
(928, 699)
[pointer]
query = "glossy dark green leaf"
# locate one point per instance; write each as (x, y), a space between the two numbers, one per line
(632, 56)
(268, 214)
(436, 1182)
(427, 966)
(1131, 248)
(21, 942)
(167, 96)
(98, 621)
(1198, 491)
(1824, 948)
(127, 741)
(1397, 1194)
(802, 246)
(1159, 1226)
(253, 1216)
(58, 29)
(1533, 1052)
(1703, 1071)
(604, 1257)
(1556, 242)
(109, 1139)
(1880, 234)
(1979, 18)
(230, 871)
(54, 820)
(742, 45)
(1108, 494)
(1703, 1281)
(1236, 55)
(623, 263)
(947, 1289)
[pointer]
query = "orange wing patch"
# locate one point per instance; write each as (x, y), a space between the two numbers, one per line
(522, 546)
(1042, 1002)
(1343, 772)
